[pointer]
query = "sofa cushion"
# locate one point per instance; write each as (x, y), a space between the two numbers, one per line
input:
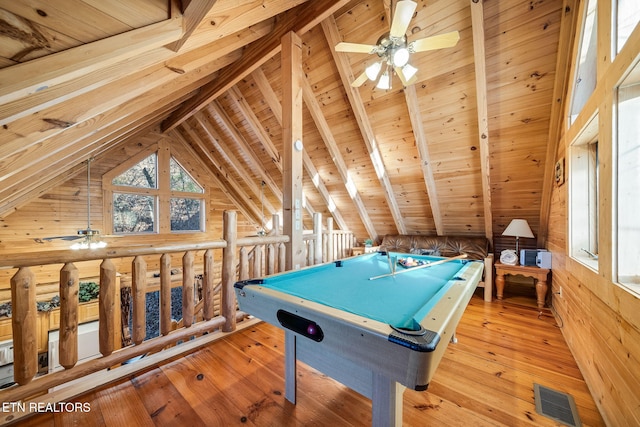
(474, 247)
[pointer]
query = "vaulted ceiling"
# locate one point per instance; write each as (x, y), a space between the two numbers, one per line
(463, 150)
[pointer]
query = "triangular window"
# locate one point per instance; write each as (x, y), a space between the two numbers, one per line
(181, 180)
(142, 175)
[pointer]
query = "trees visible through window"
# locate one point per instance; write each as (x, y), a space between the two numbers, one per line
(139, 195)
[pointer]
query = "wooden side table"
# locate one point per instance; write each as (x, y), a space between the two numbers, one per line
(540, 276)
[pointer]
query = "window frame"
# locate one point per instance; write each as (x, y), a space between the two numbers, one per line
(163, 194)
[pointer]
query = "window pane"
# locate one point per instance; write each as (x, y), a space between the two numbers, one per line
(142, 175)
(133, 213)
(186, 214)
(181, 180)
(628, 17)
(584, 213)
(585, 78)
(629, 184)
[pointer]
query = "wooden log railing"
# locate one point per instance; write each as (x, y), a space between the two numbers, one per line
(241, 258)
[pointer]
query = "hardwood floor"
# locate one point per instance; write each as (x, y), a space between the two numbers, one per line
(486, 379)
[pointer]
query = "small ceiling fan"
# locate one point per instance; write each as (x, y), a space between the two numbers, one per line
(90, 237)
(395, 51)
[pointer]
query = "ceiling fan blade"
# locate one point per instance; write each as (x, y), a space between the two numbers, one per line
(355, 47)
(360, 80)
(435, 42)
(50, 238)
(402, 17)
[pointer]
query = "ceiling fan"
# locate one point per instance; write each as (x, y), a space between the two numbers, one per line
(395, 51)
(90, 237)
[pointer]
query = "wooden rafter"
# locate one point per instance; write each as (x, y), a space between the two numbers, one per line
(245, 175)
(245, 110)
(222, 183)
(42, 74)
(477, 23)
(332, 35)
(332, 146)
(419, 134)
(193, 14)
(272, 99)
(242, 201)
(299, 20)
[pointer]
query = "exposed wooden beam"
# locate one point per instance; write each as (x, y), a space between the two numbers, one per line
(425, 159)
(254, 123)
(270, 96)
(41, 74)
(194, 12)
(477, 24)
(332, 35)
(44, 177)
(215, 108)
(332, 146)
(245, 175)
(223, 185)
(292, 136)
(299, 20)
(272, 100)
(240, 199)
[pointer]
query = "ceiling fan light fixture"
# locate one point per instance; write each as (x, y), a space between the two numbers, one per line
(373, 70)
(385, 81)
(400, 57)
(408, 71)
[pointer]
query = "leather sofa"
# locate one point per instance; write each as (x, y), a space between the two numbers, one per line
(477, 248)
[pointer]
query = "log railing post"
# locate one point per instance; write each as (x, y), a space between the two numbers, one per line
(227, 294)
(271, 258)
(188, 278)
(282, 253)
(243, 271)
(257, 261)
(330, 243)
(107, 307)
(68, 345)
(317, 230)
(23, 324)
(139, 294)
(208, 285)
(165, 294)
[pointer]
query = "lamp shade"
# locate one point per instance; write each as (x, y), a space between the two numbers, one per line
(518, 228)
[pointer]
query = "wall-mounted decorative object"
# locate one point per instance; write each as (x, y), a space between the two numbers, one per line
(559, 172)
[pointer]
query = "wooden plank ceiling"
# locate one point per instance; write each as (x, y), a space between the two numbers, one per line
(463, 150)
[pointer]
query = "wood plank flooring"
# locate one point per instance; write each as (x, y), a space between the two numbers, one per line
(486, 379)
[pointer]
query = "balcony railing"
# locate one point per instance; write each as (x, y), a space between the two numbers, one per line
(209, 309)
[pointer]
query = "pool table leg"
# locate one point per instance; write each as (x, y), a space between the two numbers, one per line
(386, 401)
(290, 366)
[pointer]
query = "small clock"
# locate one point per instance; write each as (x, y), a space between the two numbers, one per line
(509, 257)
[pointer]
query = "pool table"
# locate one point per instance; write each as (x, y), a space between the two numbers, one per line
(366, 321)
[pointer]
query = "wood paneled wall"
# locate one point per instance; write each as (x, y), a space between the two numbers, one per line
(601, 320)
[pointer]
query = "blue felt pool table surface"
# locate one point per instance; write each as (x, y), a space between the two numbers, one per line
(400, 300)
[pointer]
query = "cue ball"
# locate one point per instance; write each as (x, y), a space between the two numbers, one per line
(311, 329)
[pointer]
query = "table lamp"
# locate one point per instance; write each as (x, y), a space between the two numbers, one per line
(518, 228)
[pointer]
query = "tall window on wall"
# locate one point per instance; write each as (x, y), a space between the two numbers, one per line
(143, 201)
(627, 13)
(584, 79)
(628, 185)
(584, 188)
